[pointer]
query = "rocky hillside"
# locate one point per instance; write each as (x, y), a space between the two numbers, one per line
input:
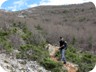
(76, 23)
(11, 64)
(24, 34)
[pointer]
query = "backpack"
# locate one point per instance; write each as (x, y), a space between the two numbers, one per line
(66, 45)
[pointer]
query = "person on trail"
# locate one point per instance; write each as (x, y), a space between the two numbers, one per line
(63, 47)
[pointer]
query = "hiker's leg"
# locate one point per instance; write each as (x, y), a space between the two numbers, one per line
(63, 55)
(62, 52)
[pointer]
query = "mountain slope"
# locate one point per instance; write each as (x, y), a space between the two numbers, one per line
(76, 23)
(28, 31)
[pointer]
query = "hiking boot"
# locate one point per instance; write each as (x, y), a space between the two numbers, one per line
(64, 62)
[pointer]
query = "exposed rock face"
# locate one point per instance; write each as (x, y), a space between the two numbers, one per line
(11, 64)
(1, 69)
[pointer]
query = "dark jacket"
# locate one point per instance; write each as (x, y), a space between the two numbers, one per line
(63, 44)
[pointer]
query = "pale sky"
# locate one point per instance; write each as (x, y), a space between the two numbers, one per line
(15, 5)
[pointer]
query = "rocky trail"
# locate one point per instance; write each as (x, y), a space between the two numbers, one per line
(69, 66)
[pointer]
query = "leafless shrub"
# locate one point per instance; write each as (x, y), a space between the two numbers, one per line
(67, 21)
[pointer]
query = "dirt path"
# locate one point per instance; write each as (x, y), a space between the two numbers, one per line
(69, 66)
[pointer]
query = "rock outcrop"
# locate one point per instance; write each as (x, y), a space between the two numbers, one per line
(11, 64)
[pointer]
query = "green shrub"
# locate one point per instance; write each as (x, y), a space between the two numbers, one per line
(13, 30)
(58, 54)
(90, 42)
(38, 53)
(73, 40)
(8, 47)
(86, 57)
(84, 67)
(52, 65)
(20, 25)
(3, 33)
(27, 36)
(82, 19)
(65, 11)
(38, 27)
(4, 41)
(85, 60)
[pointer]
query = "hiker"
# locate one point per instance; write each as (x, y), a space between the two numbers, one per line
(63, 47)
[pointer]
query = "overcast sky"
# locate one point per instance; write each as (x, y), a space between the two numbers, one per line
(15, 5)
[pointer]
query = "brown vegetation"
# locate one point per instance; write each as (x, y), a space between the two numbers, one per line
(76, 23)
